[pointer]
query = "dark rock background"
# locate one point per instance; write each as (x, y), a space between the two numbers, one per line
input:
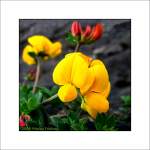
(114, 48)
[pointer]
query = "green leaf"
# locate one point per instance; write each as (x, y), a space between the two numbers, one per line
(71, 122)
(83, 124)
(23, 105)
(54, 90)
(24, 91)
(71, 39)
(126, 100)
(49, 92)
(55, 121)
(73, 117)
(40, 118)
(45, 91)
(75, 127)
(39, 96)
(80, 125)
(59, 123)
(37, 118)
(105, 122)
(34, 100)
(65, 120)
(75, 123)
(33, 103)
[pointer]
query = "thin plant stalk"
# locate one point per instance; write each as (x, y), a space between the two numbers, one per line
(77, 47)
(50, 99)
(37, 76)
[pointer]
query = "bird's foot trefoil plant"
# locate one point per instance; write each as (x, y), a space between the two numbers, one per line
(79, 100)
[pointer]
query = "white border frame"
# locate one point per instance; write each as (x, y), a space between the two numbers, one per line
(138, 11)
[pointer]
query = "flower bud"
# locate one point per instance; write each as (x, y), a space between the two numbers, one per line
(87, 31)
(96, 32)
(31, 74)
(21, 122)
(76, 28)
(27, 117)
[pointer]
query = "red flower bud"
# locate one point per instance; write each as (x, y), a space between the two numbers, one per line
(96, 32)
(87, 31)
(26, 117)
(31, 74)
(76, 28)
(21, 122)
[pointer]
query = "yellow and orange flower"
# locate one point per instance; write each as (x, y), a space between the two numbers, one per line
(40, 44)
(78, 72)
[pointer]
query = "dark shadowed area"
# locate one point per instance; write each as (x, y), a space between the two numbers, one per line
(114, 49)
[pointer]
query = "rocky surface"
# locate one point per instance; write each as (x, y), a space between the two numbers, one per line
(114, 48)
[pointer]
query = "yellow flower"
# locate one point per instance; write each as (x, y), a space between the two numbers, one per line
(26, 57)
(78, 71)
(38, 45)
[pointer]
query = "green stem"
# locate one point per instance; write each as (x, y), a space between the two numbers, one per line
(81, 97)
(77, 47)
(37, 76)
(50, 99)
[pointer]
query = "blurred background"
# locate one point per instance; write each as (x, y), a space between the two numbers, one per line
(114, 49)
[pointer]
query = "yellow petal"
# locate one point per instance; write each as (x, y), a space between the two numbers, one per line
(70, 55)
(67, 93)
(91, 111)
(89, 81)
(101, 76)
(40, 43)
(79, 71)
(96, 62)
(85, 57)
(106, 92)
(26, 57)
(55, 50)
(62, 71)
(97, 102)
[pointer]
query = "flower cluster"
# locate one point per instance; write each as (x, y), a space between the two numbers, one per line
(40, 46)
(23, 120)
(80, 74)
(89, 34)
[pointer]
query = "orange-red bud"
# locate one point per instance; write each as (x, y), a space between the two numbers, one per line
(76, 28)
(87, 35)
(87, 31)
(97, 32)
